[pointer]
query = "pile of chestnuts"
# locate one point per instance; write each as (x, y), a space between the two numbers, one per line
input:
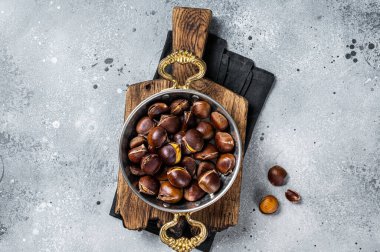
(181, 150)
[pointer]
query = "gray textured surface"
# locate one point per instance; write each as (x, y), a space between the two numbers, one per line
(58, 134)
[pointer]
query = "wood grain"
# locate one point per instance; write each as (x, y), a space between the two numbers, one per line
(222, 214)
(190, 30)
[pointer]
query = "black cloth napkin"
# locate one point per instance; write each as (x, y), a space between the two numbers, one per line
(236, 73)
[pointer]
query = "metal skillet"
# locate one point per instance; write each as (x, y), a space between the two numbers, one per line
(167, 95)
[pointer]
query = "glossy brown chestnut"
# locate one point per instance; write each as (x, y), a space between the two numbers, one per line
(144, 125)
(169, 193)
(209, 181)
(219, 121)
(178, 106)
(136, 170)
(224, 142)
(157, 137)
(201, 109)
(293, 196)
(226, 163)
(149, 185)
(268, 204)
(170, 153)
(209, 152)
(157, 109)
(193, 140)
(136, 154)
(151, 164)
(206, 129)
(136, 141)
(205, 166)
(178, 137)
(189, 164)
(170, 123)
(193, 192)
(188, 120)
(179, 177)
(277, 175)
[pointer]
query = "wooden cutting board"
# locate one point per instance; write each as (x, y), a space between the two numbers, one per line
(190, 29)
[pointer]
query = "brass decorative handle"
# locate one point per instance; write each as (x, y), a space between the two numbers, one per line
(182, 57)
(183, 244)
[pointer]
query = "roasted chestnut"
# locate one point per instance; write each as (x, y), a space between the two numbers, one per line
(151, 164)
(201, 109)
(220, 121)
(136, 141)
(225, 163)
(170, 123)
(209, 181)
(292, 196)
(206, 129)
(179, 177)
(189, 164)
(157, 109)
(178, 106)
(169, 193)
(269, 204)
(136, 170)
(178, 137)
(149, 185)
(188, 120)
(170, 153)
(193, 192)
(205, 166)
(157, 137)
(224, 142)
(208, 153)
(193, 140)
(277, 175)
(162, 174)
(136, 154)
(144, 125)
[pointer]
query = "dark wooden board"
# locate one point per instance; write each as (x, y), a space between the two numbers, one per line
(221, 215)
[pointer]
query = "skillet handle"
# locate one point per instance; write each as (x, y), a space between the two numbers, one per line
(183, 244)
(182, 57)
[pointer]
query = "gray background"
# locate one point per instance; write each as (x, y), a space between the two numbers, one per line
(61, 113)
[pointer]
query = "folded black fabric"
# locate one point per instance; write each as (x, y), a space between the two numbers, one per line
(236, 73)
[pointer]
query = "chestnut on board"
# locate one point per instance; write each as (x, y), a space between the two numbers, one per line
(206, 129)
(144, 125)
(209, 181)
(277, 175)
(149, 185)
(169, 193)
(157, 137)
(225, 163)
(136, 154)
(201, 109)
(224, 142)
(157, 109)
(193, 192)
(219, 121)
(208, 153)
(179, 177)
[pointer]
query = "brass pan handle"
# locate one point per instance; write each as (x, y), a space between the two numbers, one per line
(183, 244)
(182, 57)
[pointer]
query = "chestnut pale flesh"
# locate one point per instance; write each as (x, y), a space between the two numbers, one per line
(269, 204)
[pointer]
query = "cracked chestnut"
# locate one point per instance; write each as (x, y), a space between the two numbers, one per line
(219, 121)
(136, 141)
(157, 137)
(206, 129)
(170, 123)
(205, 166)
(144, 125)
(224, 142)
(226, 163)
(188, 120)
(179, 177)
(151, 164)
(189, 164)
(209, 181)
(136, 154)
(149, 185)
(208, 153)
(193, 140)
(157, 109)
(169, 193)
(193, 192)
(170, 153)
(136, 170)
(178, 106)
(277, 175)
(201, 109)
